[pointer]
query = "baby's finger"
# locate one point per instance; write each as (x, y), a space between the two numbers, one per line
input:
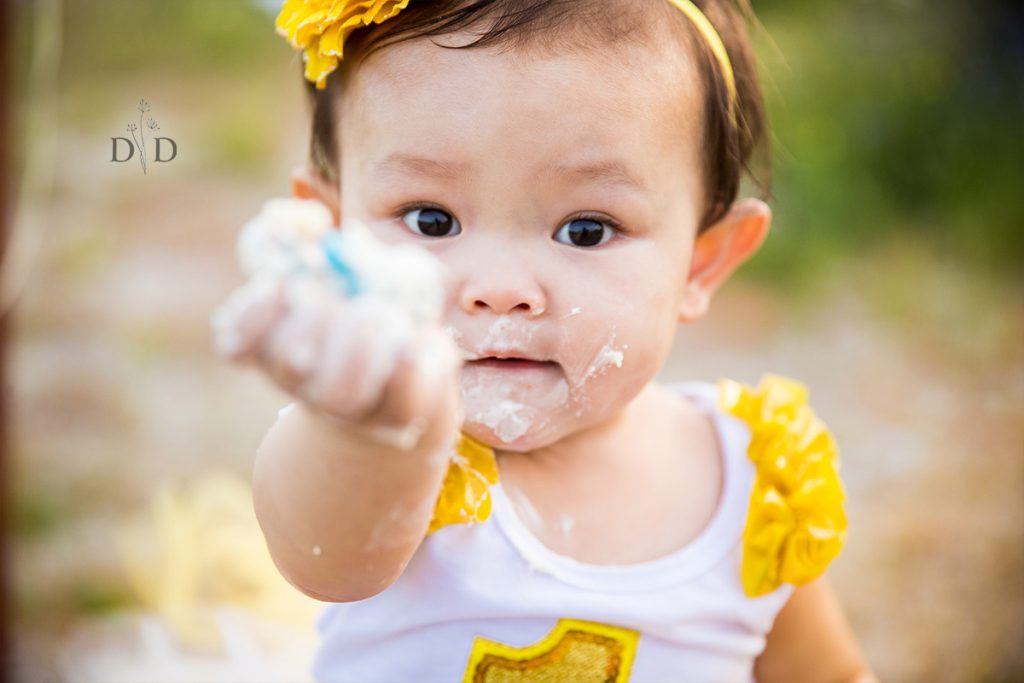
(360, 352)
(342, 359)
(293, 347)
(424, 370)
(240, 324)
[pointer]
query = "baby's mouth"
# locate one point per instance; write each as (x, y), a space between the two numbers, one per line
(517, 365)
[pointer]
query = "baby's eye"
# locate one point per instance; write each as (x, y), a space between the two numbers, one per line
(431, 222)
(584, 232)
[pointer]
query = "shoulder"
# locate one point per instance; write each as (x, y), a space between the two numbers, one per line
(796, 524)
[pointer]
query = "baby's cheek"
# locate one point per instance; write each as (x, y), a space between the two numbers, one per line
(609, 343)
(599, 361)
(622, 362)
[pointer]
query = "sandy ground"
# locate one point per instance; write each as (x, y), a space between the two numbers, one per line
(116, 391)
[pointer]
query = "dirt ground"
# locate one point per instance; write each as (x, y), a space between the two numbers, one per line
(917, 368)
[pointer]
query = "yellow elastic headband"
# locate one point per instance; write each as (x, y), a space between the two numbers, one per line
(715, 44)
(319, 28)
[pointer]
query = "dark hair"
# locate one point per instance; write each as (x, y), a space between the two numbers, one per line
(730, 148)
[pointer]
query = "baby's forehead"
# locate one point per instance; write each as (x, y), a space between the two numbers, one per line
(426, 80)
(650, 40)
(492, 117)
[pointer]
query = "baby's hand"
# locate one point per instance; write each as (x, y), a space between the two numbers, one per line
(361, 361)
(343, 322)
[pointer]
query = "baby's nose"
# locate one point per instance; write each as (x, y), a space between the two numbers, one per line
(501, 292)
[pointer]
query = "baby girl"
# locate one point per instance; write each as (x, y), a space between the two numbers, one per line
(489, 485)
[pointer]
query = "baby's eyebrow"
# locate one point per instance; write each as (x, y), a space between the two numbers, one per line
(419, 165)
(611, 172)
(608, 172)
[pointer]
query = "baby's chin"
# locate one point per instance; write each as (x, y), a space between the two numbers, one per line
(509, 421)
(509, 408)
(535, 437)
(509, 424)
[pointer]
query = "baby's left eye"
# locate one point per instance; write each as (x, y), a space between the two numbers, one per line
(584, 232)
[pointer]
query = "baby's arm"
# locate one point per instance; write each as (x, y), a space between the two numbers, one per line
(812, 642)
(344, 495)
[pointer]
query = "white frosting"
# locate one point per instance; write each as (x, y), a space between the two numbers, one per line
(507, 409)
(227, 338)
(488, 402)
(506, 335)
(285, 242)
(405, 275)
(606, 357)
(284, 238)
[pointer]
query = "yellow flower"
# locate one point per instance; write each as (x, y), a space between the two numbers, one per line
(465, 495)
(796, 524)
(319, 28)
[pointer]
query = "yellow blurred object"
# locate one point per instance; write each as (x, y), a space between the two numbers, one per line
(465, 497)
(320, 27)
(796, 524)
(198, 547)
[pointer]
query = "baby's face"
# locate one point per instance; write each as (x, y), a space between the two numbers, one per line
(562, 193)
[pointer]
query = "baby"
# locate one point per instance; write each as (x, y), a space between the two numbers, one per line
(498, 489)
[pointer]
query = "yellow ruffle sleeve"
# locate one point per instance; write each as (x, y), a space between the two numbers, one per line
(796, 524)
(465, 495)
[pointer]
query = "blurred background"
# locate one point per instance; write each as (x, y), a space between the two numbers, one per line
(891, 285)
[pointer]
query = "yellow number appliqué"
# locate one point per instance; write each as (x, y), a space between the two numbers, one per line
(573, 652)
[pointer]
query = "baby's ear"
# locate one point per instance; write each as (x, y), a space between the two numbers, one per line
(720, 250)
(308, 183)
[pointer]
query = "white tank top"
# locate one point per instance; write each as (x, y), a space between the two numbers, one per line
(489, 602)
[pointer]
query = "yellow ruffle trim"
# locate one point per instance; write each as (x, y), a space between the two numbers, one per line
(319, 28)
(796, 524)
(465, 495)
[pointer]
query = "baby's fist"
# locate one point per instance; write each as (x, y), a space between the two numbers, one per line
(366, 363)
(362, 362)
(344, 322)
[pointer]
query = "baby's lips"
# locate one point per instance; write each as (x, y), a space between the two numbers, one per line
(240, 322)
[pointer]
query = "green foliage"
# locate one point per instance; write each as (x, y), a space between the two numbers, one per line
(894, 119)
(237, 143)
(37, 513)
(180, 37)
(99, 595)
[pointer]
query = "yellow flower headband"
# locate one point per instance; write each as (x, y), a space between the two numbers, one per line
(319, 28)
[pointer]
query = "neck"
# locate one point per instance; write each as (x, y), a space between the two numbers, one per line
(599, 446)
